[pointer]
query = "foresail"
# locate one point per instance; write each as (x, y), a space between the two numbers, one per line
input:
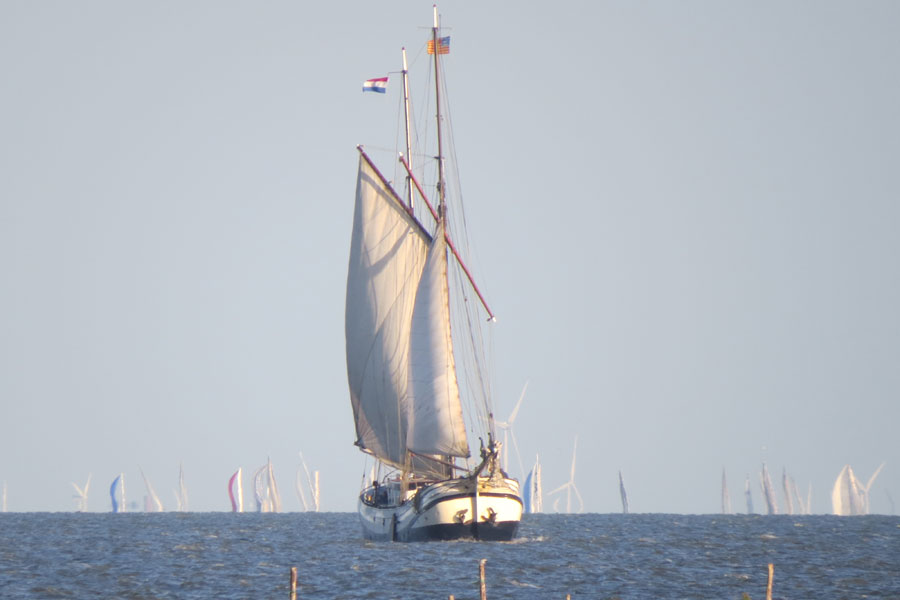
(387, 255)
(436, 420)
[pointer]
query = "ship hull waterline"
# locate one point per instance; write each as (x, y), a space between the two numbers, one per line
(444, 511)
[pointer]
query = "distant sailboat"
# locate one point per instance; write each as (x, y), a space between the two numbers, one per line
(768, 491)
(569, 486)
(266, 489)
(261, 490)
(3, 499)
(117, 493)
(786, 485)
(274, 496)
(726, 498)
(532, 497)
(181, 497)
(316, 491)
(312, 487)
(849, 496)
(298, 486)
(81, 495)
(152, 503)
(236, 492)
(792, 493)
(748, 496)
(623, 494)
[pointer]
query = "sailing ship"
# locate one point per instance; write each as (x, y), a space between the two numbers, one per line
(533, 494)
(405, 389)
(236, 492)
(117, 493)
(850, 496)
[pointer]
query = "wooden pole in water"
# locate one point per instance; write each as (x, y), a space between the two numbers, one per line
(481, 579)
(769, 582)
(293, 583)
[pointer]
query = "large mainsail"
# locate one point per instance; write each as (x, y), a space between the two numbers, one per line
(436, 423)
(388, 252)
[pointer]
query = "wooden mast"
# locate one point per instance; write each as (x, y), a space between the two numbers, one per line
(405, 72)
(437, 102)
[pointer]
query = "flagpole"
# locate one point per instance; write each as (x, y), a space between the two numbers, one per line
(405, 72)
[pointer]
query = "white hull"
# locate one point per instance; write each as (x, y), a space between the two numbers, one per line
(443, 510)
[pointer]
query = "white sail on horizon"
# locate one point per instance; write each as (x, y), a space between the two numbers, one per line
(312, 486)
(768, 491)
(152, 503)
(849, 496)
(726, 497)
(181, 497)
(748, 495)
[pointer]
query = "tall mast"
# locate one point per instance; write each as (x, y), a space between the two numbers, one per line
(409, 190)
(437, 102)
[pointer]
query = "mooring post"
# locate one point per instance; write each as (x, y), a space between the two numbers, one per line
(769, 583)
(481, 579)
(293, 583)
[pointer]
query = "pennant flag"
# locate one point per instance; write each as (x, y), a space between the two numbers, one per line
(443, 45)
(376, 85)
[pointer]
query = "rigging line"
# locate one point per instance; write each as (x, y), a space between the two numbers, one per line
(450, 243)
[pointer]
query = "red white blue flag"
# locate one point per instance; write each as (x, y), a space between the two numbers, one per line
(378, 84)
(443, 45)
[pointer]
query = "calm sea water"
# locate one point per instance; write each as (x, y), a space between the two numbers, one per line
(224, 555)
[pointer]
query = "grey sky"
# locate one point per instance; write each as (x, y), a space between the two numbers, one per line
(685, 215)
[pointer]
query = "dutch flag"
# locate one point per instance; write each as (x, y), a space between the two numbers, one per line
(376, 85)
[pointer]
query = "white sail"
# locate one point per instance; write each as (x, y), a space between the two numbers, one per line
(182, 490)
(840, 500)
(788, 500)
(274, 496)
(748, 496)
(401, 367)
(849, 496)
(152, 503)
(316, 492)
(726, 497)
(298, 487)
(387, 254)
(261, 490)
(436, 423)
(768, 491)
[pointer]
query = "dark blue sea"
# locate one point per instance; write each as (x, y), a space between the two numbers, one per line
(224, 555)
